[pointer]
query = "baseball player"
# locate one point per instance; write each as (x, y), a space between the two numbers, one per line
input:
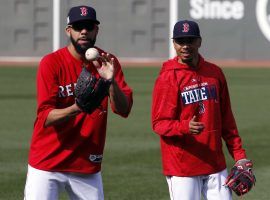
(67, 144)
(191, 113)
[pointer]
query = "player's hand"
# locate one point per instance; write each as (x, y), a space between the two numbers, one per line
(195, 127)
(105, 66)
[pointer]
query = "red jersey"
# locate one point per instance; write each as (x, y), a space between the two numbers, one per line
(179, 94)
(77, 144)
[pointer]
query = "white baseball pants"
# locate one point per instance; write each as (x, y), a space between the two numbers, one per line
(211, 187)
(44, 185)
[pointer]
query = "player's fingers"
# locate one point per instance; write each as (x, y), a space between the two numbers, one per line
(196, 128)
(97, 63)
(194, 118)
(109, 56)
(106, 57)
(103, 58)
(194, 131)
(109, 59)
(112, 61)
(198, 124)
(199, 129)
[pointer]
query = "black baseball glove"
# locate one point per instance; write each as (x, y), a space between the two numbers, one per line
(90, 91)
(241, 178)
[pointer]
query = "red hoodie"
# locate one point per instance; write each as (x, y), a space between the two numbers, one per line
(180, 93)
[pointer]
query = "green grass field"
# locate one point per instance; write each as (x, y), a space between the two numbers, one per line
(132, 167)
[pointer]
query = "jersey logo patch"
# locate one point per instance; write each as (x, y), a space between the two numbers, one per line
(201, 108)
(96, 158)
(199, 94)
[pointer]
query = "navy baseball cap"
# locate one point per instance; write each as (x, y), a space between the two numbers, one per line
(80, 13)
(186, 28)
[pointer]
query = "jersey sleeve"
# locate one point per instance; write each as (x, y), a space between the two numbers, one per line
(119, 78)
(229, 128)
(47, 88)
(166, 108)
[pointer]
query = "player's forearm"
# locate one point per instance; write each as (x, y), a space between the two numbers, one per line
(118, 99)
(59, 115)
(170, 127)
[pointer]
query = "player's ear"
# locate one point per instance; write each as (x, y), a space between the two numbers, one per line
(96, 29)
(199, 42)
(175, 45)
(68, 29)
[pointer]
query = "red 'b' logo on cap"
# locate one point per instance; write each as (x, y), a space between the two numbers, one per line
(185, 28)
(83, 11)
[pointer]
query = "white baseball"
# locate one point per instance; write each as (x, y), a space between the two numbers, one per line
(91, 54)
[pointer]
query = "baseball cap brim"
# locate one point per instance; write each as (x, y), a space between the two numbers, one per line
(88, 20)
(185, 36)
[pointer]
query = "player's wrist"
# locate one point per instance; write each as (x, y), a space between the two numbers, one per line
(75, 109)
(242, 159)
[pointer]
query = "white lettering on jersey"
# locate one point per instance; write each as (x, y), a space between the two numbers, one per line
(199, 94)
(61, 91)
(67, 90)
(203, 94)
(194, 86)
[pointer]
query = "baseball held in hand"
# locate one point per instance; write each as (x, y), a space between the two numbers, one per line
(91, 54)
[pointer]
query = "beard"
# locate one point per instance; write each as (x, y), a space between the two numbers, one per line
(81, 49)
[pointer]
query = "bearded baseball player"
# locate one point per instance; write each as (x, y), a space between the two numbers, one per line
(191, 112)
(72, 101)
